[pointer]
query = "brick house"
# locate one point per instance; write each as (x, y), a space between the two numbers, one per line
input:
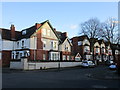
(95, 49)
(109, 53)
(7, 39)
(64, 46)
(102, 50)
(38, 42)
(81, 45)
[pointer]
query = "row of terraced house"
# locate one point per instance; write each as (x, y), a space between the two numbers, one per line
(42, 42)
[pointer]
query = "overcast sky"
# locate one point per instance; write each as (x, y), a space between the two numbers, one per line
(64, 16)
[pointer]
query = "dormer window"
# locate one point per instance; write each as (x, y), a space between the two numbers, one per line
(79, 43)
(23, 32)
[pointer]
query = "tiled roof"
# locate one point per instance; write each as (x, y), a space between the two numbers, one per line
(6, 34)
(29, 32)
(100, 41)
(107, 43)
(61, 36)
(81, 38)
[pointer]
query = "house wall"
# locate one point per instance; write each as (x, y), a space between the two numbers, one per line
(65, 44)
(26, 44)
(6, 57)
(85, 41)
(48, 45)
(48, 32)
(7, 45)
(97, 50)
(33, 43)
(47, 37)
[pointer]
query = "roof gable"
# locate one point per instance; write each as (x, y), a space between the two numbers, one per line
(68, 41)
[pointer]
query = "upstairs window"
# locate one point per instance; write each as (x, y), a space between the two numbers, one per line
(22, 43)
(17, 44)
(48, 32)
(52, 45)
(66, 48)
(44, 31)
(79, 43)
(44, 44)
(55, 45)
(23, 32)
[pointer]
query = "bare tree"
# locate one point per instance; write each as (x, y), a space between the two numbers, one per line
(109, 30)
(90, 28)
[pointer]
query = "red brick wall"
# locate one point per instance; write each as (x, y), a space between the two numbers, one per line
(6, 57)
(39, 42)
(66, 54)
(76, 48)
(38, 54)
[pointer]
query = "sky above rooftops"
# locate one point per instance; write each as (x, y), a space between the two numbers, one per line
(64, 16)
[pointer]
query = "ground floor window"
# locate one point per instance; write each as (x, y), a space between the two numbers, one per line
(44, 57)
(54, 56)
(64, 57)
(77, 58)
(88, 57)
(68, 57)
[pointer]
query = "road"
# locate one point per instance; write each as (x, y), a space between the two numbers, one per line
(64, 78)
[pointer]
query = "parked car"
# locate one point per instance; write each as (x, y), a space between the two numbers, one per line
(112, 67)
(109, 62)
(87, 64)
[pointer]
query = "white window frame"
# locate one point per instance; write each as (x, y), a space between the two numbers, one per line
(48, 32)
(54, 45)
(79, 43)
(18, 44)
(64, 57)
(23, 32)
(68, 57)
(44, 56)
(44, 31)
(44, 44)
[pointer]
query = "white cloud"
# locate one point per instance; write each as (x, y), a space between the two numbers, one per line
(73, 26)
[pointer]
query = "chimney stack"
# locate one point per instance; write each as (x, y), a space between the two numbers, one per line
(37, 25)
(12, 28)
(64, 34)
(54, 29)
